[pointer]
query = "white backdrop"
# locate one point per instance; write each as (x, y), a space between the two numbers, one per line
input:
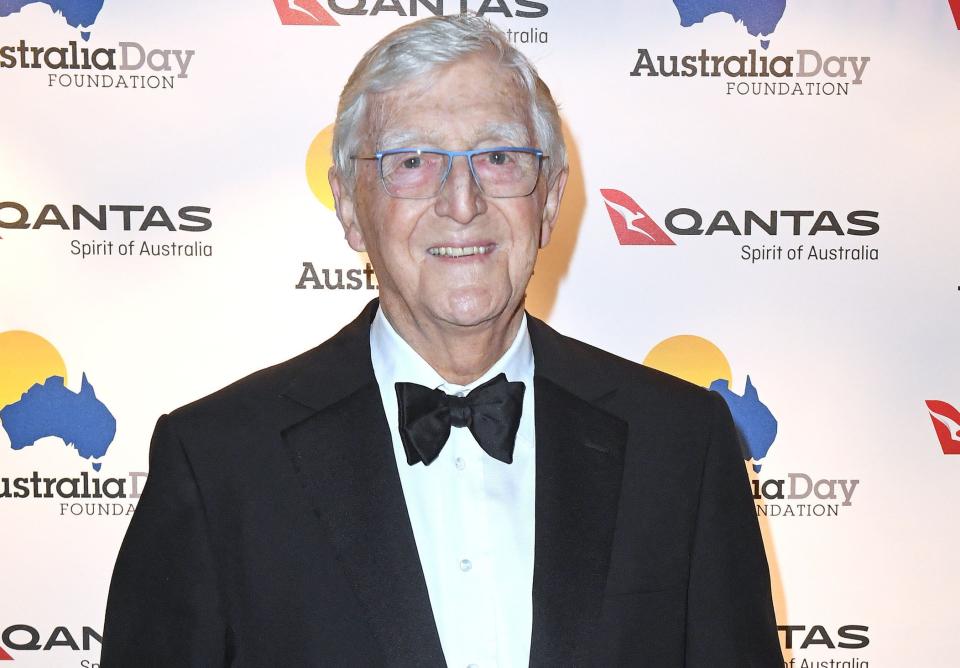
(843, 353)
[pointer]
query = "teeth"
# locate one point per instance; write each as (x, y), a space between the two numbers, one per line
(454, 251)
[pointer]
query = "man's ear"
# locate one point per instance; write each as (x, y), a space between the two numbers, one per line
(346, 211)
(551, 208)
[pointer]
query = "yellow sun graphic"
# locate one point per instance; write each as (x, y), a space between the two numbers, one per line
(319, 162)
(26, 359)
(690, 357)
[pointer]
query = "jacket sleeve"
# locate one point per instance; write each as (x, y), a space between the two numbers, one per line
(730, 616)
(164, 607)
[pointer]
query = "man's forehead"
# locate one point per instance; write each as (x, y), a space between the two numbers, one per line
(449, 104)
(412, 134)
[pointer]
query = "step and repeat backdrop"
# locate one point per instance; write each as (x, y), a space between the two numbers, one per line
(763, 200)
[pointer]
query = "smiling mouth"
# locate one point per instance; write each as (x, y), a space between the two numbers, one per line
(460, 251)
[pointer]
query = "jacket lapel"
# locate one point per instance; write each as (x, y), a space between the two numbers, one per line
(579, 453)
(344, 457)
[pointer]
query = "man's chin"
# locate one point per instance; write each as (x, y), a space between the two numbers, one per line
(473, 309)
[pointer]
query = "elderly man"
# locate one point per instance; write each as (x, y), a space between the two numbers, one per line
(446, 480)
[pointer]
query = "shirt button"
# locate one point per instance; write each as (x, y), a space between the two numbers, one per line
(465, 565)
(459, 463)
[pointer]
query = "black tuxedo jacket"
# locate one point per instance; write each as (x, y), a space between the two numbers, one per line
(272, 530)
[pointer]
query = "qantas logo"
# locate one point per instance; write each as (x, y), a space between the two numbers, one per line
(27, 638)
(303, 13)
(955, 6)
(631, 223)
(312, 13)
(946, 422)
(635, 227)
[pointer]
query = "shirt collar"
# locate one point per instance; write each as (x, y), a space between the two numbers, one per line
(394, 360)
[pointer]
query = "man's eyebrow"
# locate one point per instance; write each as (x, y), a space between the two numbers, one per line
(512, 133)
(403, 139)
(515, 134)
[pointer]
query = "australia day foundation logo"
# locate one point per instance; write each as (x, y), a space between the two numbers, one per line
(38, 407)
(755, 71)
(785, 235)
(316, 275)
(798, 494)
(80, 64)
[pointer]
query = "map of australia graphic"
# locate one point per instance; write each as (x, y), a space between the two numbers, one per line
(759, 17)
(77, 13)
(756, 425)
(51, 409)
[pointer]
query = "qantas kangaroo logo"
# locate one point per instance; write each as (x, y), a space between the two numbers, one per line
(631, 223)
(303, 13)
(946, 422)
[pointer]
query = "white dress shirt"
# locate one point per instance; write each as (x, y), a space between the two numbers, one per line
(472, 515)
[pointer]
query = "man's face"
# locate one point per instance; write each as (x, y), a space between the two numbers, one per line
(471, 104)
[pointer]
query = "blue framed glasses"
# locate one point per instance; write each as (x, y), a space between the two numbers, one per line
(420, 173)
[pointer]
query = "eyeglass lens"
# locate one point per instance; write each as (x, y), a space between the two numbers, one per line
(419, 174)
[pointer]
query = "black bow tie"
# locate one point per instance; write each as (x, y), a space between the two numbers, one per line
(491, 411)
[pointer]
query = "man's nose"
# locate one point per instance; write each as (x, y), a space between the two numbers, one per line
(461, 198)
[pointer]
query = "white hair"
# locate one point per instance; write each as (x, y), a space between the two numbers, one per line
(419, 49)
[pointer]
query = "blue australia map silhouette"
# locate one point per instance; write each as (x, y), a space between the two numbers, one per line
(77, 13)
(759, 17)
(756, 425)
(51, 409)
